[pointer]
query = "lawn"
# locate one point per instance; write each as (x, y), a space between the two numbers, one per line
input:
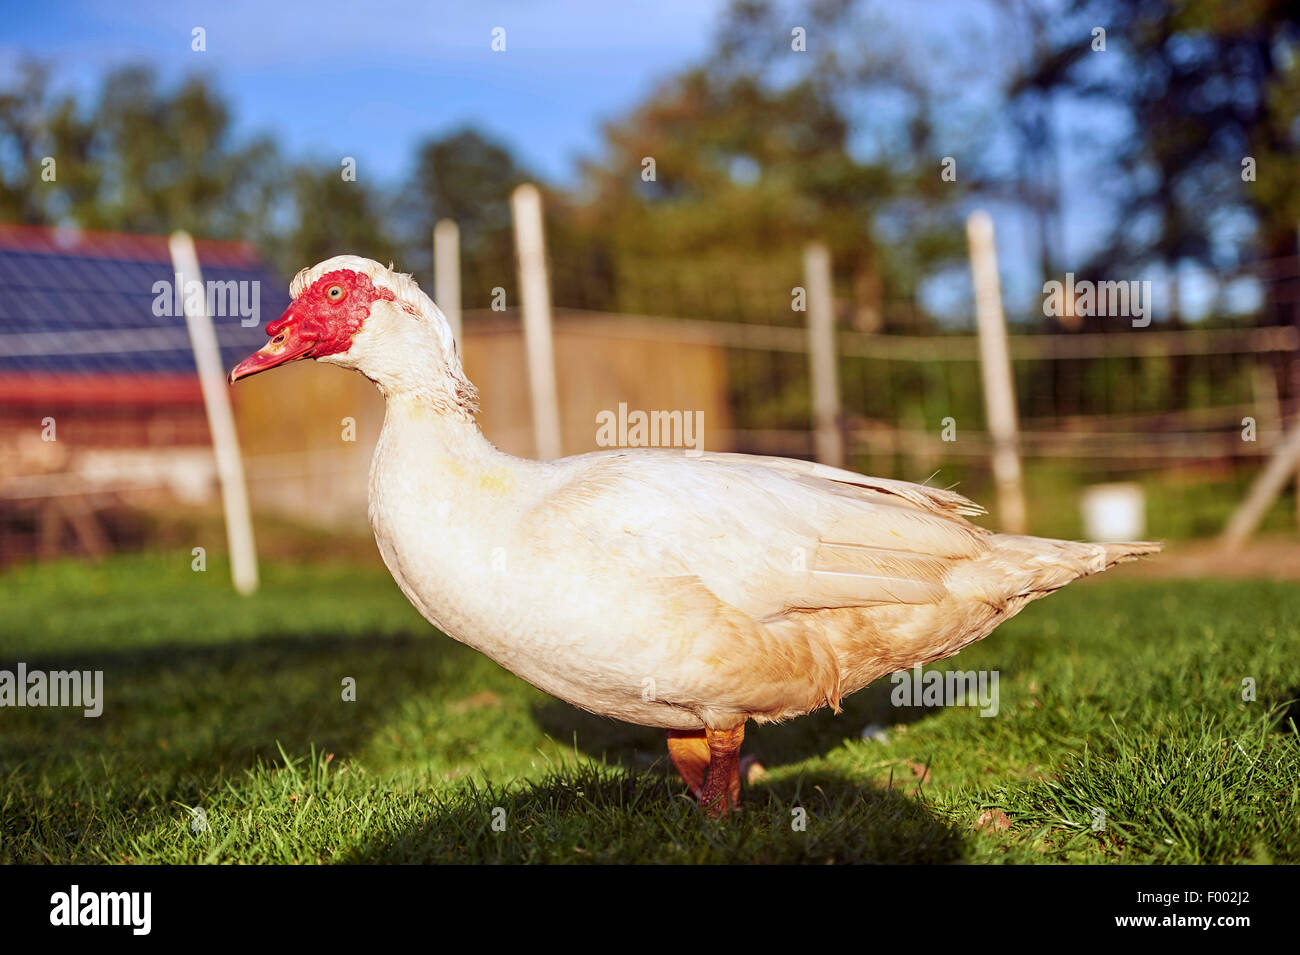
(1118, 694)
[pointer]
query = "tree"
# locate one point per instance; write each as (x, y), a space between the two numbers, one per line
(714, 184)
(466, 177)
(333, 216)
(1205, 85)
(142, 159)
(36, 125)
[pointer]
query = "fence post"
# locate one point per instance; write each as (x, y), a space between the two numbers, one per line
(221, 421)
(827, 437)
(446, 274)
(535, 296)
(1264, 491)
(995, 369)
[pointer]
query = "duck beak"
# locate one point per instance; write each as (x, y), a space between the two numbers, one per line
(287, 344)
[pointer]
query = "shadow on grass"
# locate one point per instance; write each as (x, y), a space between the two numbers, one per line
(187, 715)
(1287, 707)
(594, 814)
(181, 719)
(774, 744)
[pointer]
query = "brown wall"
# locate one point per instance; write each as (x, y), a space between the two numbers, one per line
(290, 421)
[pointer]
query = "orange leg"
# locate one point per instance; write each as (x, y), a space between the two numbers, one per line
(722, 787)
(689, 751)
(709, 761)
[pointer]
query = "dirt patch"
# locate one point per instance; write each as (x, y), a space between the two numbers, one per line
(1267, 558)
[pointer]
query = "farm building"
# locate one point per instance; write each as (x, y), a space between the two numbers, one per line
(99, 400)
(101, 414)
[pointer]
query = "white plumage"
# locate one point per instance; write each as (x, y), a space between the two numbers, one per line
(685, 592)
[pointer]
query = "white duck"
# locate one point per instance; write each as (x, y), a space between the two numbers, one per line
(691, 593)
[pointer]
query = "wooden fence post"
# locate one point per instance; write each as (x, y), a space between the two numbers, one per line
(535, 295)
(446, 274)
(827, 436)
(1264, 491)
(995, 369)
(221, 420)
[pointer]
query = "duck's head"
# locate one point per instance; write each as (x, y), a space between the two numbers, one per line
(354, 312)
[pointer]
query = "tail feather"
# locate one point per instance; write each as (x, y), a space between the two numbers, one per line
(1039, 565)
(1122, 552)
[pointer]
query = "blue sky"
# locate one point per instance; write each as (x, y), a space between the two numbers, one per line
(329, 80)
(372, 80)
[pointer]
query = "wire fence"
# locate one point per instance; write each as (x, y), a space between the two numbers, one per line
(1188, 413)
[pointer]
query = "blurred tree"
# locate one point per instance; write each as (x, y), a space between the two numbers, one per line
(466, 177)
(162, 156)
(1035, 179)
(333, 216)
(709, 190)
(141, 160)
(1205, 84)
(36, 124)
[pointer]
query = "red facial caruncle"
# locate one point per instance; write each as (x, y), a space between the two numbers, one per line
(320, 322)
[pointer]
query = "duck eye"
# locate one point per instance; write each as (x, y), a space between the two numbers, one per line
(334, 293)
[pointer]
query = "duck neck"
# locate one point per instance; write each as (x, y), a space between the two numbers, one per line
(433, 430)
(416, 364)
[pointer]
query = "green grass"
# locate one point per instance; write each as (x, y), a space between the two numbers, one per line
(1118, 694)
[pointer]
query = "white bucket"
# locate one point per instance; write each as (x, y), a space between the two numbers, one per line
(1114, 512)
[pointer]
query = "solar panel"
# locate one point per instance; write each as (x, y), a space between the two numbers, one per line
(55, 307)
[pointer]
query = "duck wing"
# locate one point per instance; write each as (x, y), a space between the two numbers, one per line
(934, 499)
(770, 535)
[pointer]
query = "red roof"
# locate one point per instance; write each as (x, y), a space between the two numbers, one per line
(117, 245)
(50, 389)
